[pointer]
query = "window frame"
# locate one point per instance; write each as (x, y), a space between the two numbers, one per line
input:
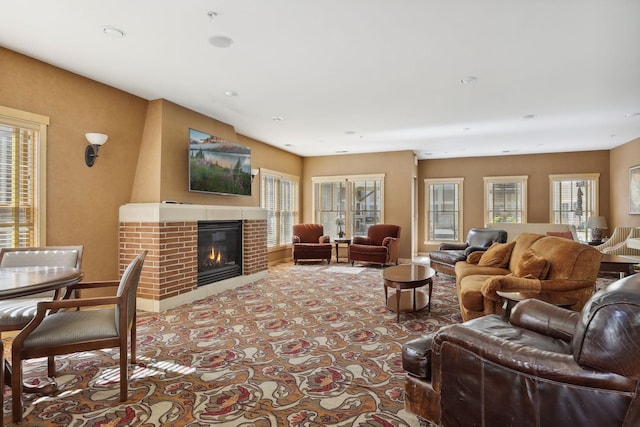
(283, 240)
(428, 182)
(517, 179)
(349, 206)
(37, 123)
(593, 211)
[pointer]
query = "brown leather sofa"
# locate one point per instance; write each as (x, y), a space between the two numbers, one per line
(569, 268)
(478, 239)
(310, 243)
(546, 366)
(380, 246)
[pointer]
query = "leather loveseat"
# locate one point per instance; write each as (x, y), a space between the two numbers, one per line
(530, 263)
(478, 239)
(546, 366)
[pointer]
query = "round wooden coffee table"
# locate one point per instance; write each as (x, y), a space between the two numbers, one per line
(407, 277)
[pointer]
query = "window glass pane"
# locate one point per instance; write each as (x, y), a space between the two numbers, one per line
(279, 196)
(443, 210)
(574, 201)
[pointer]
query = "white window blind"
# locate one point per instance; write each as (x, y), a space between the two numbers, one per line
(21, 178)
(505, 199)
(279, 197)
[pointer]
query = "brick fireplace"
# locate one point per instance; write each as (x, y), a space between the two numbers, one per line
(170, 233)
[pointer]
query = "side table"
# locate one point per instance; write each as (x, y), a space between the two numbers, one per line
(407, 277)
(339, 242)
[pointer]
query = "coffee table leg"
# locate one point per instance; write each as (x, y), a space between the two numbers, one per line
(398, 293)
(430, 292)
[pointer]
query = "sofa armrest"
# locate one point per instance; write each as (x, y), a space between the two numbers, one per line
(544, 318)
(416, 357)
(324, 239)
(452, 246)
(508, 283)
(471, 249)
(295, 239)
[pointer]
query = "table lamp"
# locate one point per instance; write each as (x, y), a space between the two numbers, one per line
(596, 224)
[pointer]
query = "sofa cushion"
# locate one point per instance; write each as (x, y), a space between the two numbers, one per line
(532, 265)
(497, 255)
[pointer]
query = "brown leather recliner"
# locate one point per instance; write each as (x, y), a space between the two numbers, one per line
(478, 239)
(309, 242)
(380, 246)
(546, 366)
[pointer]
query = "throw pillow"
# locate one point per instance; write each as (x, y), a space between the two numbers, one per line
(532, 266)
(474, 257)
(497, 255)
(563, 234)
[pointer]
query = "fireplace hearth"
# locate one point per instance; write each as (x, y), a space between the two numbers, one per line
(219, 251)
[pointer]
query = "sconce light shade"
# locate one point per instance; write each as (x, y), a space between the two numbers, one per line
(95, 141)
(254, 173)
(596, 224)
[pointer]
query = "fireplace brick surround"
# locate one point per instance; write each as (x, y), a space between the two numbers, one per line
(170, 233)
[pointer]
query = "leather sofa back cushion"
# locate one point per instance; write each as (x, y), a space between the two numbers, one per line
(532, 266)
(497, 255)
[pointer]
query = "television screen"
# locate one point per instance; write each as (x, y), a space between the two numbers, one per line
(218, 166)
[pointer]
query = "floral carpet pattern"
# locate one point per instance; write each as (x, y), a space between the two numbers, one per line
(303, 347)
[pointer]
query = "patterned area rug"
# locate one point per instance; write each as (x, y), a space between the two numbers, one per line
(304, 347)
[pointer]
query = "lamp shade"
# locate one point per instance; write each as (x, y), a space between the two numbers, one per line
(597, 222)
(96, 138)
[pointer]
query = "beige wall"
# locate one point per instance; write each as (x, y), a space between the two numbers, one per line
(399, 169)
(145, 159)
(621, 159)
(83, 202)
(537, 167)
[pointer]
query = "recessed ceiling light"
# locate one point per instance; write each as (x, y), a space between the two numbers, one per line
(469, 80)
(349, 132)
(506, 151)
(288, 145)
(231, 93)
(632, 115)
(277, 118)
(341, 151)
(427, 154)
(529, 116)
(114, 32)
(221, 41)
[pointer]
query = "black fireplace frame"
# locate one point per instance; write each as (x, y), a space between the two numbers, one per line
(224, 272)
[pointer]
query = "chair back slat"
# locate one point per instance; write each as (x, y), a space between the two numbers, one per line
(128, 287)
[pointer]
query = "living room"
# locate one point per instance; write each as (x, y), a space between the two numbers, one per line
(145, 161)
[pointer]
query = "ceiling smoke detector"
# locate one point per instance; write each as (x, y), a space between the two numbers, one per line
(221, 41)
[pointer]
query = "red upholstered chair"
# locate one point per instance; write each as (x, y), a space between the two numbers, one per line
(381, 246)
(309, 242)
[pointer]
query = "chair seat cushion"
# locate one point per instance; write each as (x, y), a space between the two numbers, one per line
(368, 249)
(18, 311)
(84, 325)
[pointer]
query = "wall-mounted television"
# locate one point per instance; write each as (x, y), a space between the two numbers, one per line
(218, 166)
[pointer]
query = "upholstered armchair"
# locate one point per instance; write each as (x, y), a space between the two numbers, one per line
(478, 239)
(546, 366)
(617, 243)
(380, 246)
(309, 242)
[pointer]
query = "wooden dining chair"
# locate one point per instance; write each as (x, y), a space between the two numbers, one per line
(16, 313)
(59, 328)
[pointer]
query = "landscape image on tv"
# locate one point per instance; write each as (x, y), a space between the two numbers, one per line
(217, 165)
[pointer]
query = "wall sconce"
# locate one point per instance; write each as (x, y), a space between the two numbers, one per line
(95, 141)
(254, 173)
(596, 224)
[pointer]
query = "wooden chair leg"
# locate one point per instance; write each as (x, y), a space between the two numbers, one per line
(51, 366)
(16, 387)
(134, 336)
(124, 371)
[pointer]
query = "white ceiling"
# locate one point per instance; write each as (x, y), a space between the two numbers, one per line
(363, 75)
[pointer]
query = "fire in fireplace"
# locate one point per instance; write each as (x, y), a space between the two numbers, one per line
(219, 250)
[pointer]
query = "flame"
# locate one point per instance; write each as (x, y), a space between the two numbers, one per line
(213, 256)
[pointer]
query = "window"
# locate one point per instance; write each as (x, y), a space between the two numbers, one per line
(348, 205)
(444, 209)
(279, 197)
(505, 199)
(22, 173)
(574, 199)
